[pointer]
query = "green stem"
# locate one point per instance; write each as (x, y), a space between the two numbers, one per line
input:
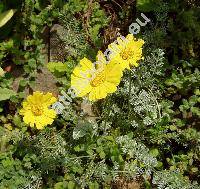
(129, 94)
(107, 113)
(154, 98)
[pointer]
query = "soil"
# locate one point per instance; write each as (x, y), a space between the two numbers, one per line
(122, 184)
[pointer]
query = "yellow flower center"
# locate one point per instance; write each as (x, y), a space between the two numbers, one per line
(127, 53)
(37, 110)
(99, 79)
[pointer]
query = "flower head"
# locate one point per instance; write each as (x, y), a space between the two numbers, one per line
(96, 80)
(36, 110)
(127, 52)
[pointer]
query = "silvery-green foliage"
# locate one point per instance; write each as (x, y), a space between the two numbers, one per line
(69, 113)
(155, 62)
(115, 109)
(49, 138)
(140, 153)
(151, 67)
(134, 124)
(144, 105)
(84, 128)
(172, 180)
(143, 102)
(72, 34)
(135, 160)
(115, 172)
(50, 147)
(98, 170)
(15, 136)
(144, 94)
(105, 127)
(34, 183)
(131, 169)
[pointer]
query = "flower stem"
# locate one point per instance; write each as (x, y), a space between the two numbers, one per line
(107, 113)
(129, 94)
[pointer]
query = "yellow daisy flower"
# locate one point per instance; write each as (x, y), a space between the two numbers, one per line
(127, 52)
(36, 110)
(96, 80)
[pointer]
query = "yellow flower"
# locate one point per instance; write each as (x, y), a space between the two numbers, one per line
(96, 80)
(127, 52)
(36, 110)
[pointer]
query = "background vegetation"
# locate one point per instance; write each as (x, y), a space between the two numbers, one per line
(146, 136)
